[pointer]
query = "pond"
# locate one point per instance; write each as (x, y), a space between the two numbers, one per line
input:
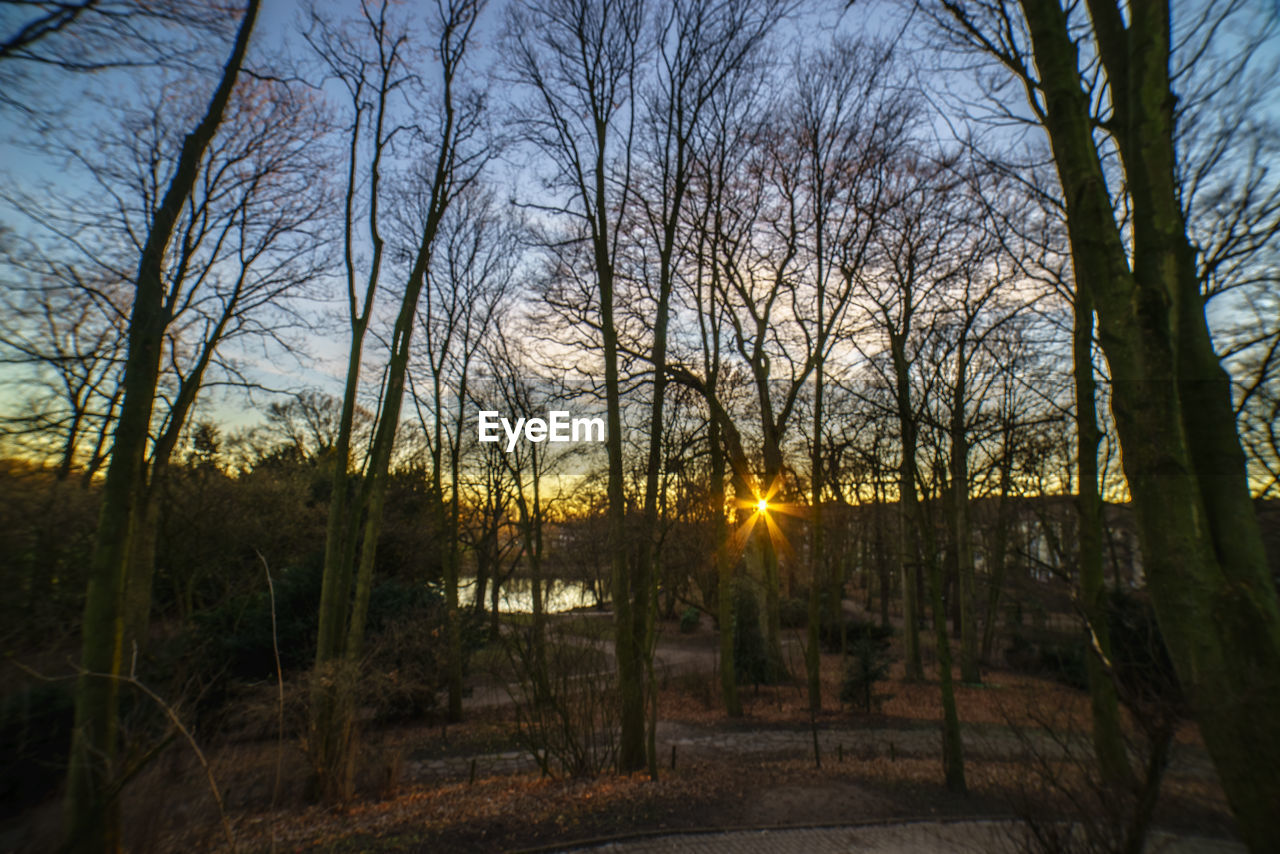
(516, 596)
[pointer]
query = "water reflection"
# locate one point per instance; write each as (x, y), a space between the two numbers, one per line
(516, 595)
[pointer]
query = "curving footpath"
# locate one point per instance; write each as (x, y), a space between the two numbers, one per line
(917, 837)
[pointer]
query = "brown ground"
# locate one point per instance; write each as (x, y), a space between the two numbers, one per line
(170, 808)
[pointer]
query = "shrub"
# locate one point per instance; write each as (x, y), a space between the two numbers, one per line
(1065, 662)
(793, 613)
(750, 658)
(35, 729)
(866, 664)
(1057, 656)
(566, 702)
(1021, 653)
(689, 621)
(1141, 663)
(236, 635)
(1102, 814)
(406, 661)
(854, 629)
(1142, 666)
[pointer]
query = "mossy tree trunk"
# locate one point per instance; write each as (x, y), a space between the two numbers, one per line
(345, 600)
(1108, 733)
(1201, 545)
(92, 811)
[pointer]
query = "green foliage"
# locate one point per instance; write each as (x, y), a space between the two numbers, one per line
(46, 540)
(1143, 670)
(406, 661)
(35, 729)
(750, 657)
(1051, 654)
(1141, 664)
(793, 613)
(237, 635)
(1066, 663)
(854, 630)
(689, 620)
(867, 663)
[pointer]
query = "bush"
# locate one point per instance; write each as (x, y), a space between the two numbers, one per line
(1057, 656)
(1142, 666)
(1021, 654)
(854, 629)
(750, 658)
(35, 729)
(1102, 814)
(793, 613)
(1141, 663)
(237, 634)
(406, 662)
(689, 621)
(566, 704)
(866, 664)
(1065, 662)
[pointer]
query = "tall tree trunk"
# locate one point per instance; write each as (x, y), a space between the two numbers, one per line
(631, 745)
(644, 583)
(1202, 549)
(342, 627)
(962, 533)
(454, 559)
(531, 532)
(1108, 734)
(727, 616)
(92, 810)
(812, 657)
(952, 746)
(142, 568)
(327, 740)
(775, 663)
(140, 575)
(908, 545)
(1000, 546)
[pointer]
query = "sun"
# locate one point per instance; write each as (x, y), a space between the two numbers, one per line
(762, 506)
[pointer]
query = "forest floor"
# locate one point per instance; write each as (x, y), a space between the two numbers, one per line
(474, 786)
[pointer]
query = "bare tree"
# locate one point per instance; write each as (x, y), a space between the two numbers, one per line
(467, 286)
(47, 43)
(914, 262)
(451, 160)
(848, 120)
(700, 46)
(579, 59)
(64, 327)
(92, 810)
(1183, 461)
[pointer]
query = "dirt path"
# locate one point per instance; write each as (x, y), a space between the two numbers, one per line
(921, 837)
(683, 741)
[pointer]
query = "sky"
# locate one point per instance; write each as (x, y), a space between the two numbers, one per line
(25, 162)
